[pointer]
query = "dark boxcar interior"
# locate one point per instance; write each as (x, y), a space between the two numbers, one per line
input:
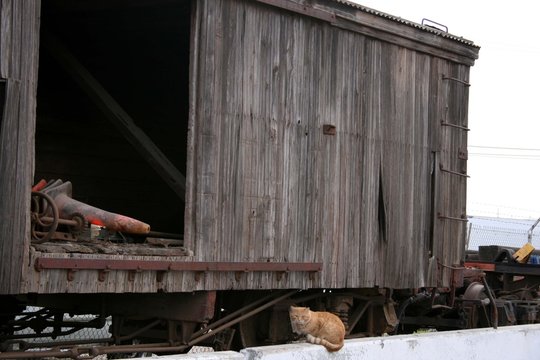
(139, 52)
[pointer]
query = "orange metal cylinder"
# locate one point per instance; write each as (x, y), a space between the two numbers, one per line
(61, 192)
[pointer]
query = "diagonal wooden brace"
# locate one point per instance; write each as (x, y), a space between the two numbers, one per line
(117, 115)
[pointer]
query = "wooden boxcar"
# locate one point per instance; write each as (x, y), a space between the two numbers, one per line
(291, 144)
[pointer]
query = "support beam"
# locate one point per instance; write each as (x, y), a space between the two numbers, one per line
(117, 115)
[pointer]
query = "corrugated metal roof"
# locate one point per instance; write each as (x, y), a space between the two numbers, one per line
(406, 22)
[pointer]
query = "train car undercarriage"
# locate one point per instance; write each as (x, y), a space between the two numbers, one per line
(224, 320)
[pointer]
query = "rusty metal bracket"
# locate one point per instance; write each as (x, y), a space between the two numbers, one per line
(160, 274)
(131, 275)
(238, 275)
(458, 275)
(279, 275)
(199, 275)
(42, 263)
(329, 129)
(102, 274)
(444, 77)
(464, 128)
(71, 274)
(461, 218)
(441, 167)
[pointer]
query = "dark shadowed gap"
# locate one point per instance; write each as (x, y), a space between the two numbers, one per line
(139, 52)
(382, 210)
(2, 101)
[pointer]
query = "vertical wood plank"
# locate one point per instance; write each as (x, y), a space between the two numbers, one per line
(18, 64)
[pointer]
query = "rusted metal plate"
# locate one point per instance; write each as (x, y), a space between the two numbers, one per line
(329, 129)
(507, 268)
(518, 269)
(140, 265)
(481, 265)
(197, 306)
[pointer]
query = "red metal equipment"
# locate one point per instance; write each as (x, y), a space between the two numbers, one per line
(52, 204)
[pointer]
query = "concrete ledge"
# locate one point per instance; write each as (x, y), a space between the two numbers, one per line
(512, 342)
(220, 355)
(509, 343)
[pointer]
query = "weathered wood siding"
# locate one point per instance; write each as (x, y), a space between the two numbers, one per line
(449, 231)
(19, 35)
(265, 183)
(375, 202)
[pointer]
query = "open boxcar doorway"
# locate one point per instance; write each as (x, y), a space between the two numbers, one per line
(137, 52)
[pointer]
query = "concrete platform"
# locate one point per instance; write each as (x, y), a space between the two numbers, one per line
(509, 343)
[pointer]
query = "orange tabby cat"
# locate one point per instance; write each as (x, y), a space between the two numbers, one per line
(320, 327)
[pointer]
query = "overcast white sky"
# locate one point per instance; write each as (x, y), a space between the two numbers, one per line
(504, 146)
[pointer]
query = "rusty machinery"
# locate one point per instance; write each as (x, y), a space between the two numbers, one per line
(52, 207)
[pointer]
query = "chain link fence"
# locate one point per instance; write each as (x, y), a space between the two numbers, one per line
(71, 333)
(31, 334)
(488, 235)
(502, 232)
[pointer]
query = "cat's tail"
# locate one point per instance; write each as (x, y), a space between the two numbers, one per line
(327, 344)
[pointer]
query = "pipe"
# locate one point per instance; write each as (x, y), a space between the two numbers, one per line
(232, 315)
(529, 233)
(241, 318)
(494, 310)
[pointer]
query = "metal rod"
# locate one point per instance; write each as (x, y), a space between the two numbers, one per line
(425, 22)
(138, 331)
(25, 345)
(452, 218)
(456, 80)
(232, 315)
(164, 235)
(61, 221)
(241, 318)
(529, 233)
(75, 353)
(34, 354)
(455, 126)
(494, 310)
(452, 172)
